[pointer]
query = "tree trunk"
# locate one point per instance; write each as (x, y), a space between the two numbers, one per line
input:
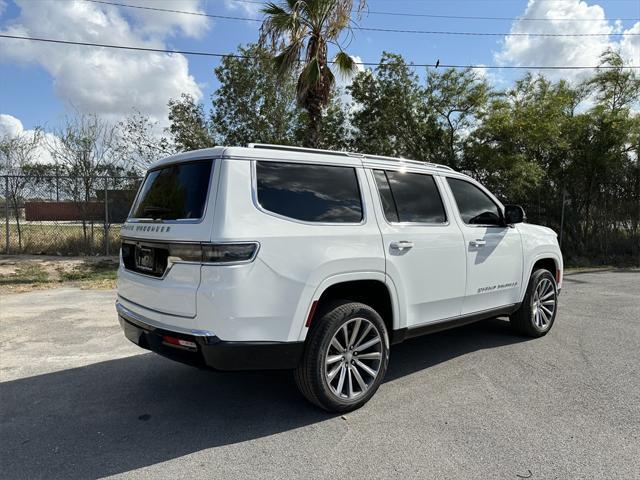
(313, 106)
(313, 129)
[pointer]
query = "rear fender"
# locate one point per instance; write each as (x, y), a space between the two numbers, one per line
(313, 295)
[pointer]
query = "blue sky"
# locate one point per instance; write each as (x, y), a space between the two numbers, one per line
(39, 82)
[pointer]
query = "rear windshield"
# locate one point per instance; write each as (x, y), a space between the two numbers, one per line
(174, 192)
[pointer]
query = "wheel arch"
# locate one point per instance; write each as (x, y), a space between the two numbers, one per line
(548, 261)
(370, 288)
(545, 264)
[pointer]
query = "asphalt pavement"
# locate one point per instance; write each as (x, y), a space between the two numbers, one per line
(77, 400)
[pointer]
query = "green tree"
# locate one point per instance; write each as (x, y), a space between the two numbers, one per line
(309, 26)
(140, 141)
(390, 116)
(189, 127)
(522, 136)
(604, 164)
(335, 130)
(253, 103)
(616, 88)
(459, 99)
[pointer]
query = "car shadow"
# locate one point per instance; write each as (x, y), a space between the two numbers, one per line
(119, 415)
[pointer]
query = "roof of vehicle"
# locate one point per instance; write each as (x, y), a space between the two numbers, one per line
(258, 151)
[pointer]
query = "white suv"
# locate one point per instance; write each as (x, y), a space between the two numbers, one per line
(272, 257)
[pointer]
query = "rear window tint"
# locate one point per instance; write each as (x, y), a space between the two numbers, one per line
(311, 193)
(410, 197)
(174, 192)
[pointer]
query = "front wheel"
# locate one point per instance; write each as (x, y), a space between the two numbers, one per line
(538, 311)
(345, 357)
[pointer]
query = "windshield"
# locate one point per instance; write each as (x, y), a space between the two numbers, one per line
(174, 192)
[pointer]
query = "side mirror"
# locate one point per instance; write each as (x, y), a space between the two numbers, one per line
(514, 214)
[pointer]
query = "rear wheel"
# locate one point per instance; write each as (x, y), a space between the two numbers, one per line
(538, 311)
(345, 358)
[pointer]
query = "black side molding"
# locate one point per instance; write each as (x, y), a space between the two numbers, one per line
(398, 336)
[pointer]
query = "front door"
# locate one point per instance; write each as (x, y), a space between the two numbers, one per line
(493, 250)
(424, 248)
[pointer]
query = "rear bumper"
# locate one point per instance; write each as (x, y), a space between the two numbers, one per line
(208, 350)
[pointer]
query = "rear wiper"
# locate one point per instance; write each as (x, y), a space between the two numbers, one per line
(150, 220)
(152, 209)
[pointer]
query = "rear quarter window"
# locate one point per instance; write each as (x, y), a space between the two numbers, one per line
(310, 193)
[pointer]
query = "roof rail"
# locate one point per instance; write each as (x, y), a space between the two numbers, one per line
(269, 146)
(408, 160)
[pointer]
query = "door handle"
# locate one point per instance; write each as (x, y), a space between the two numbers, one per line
(478, 243)
(402, 245)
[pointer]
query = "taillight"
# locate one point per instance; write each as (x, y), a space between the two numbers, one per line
(229, 252)
(185, 252)
(216, 253)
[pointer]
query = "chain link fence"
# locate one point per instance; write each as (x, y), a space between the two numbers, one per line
(64, 215)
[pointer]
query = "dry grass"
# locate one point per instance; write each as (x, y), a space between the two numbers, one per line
(26, 272)
(57, 238)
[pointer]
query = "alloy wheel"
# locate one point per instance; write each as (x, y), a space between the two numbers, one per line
(353, 358)
(543, 306)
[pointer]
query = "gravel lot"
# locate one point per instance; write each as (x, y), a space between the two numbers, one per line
(77, 400)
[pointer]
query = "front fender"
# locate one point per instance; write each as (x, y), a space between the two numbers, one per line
(541, 254)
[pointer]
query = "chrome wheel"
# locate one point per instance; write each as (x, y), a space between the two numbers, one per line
(353, 359)
(543, 305)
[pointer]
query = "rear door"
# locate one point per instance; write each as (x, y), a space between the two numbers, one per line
(493, 250)
(424, 249)
(171, 216)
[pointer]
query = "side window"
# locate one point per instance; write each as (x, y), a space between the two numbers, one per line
(475, 207)
(409, 197)
(388, 204)
(312, 193)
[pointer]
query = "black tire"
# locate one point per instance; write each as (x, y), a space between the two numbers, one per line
(311, 376)
(524, 320)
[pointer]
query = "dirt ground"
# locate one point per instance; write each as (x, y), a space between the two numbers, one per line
(23, 273)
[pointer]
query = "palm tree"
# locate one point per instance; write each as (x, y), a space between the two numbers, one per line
(310, 26)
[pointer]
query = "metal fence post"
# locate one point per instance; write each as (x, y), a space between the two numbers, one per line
(106, 217)
(6, 212)
(57, 183)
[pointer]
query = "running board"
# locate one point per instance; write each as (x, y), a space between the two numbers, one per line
(403, 334)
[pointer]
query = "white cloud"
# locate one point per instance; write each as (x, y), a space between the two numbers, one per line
(104, 81)
(253, 9)
(167, 23)
(3, 6)
(359, 64)
(630, 44)
(10, 126)
(561, 51)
